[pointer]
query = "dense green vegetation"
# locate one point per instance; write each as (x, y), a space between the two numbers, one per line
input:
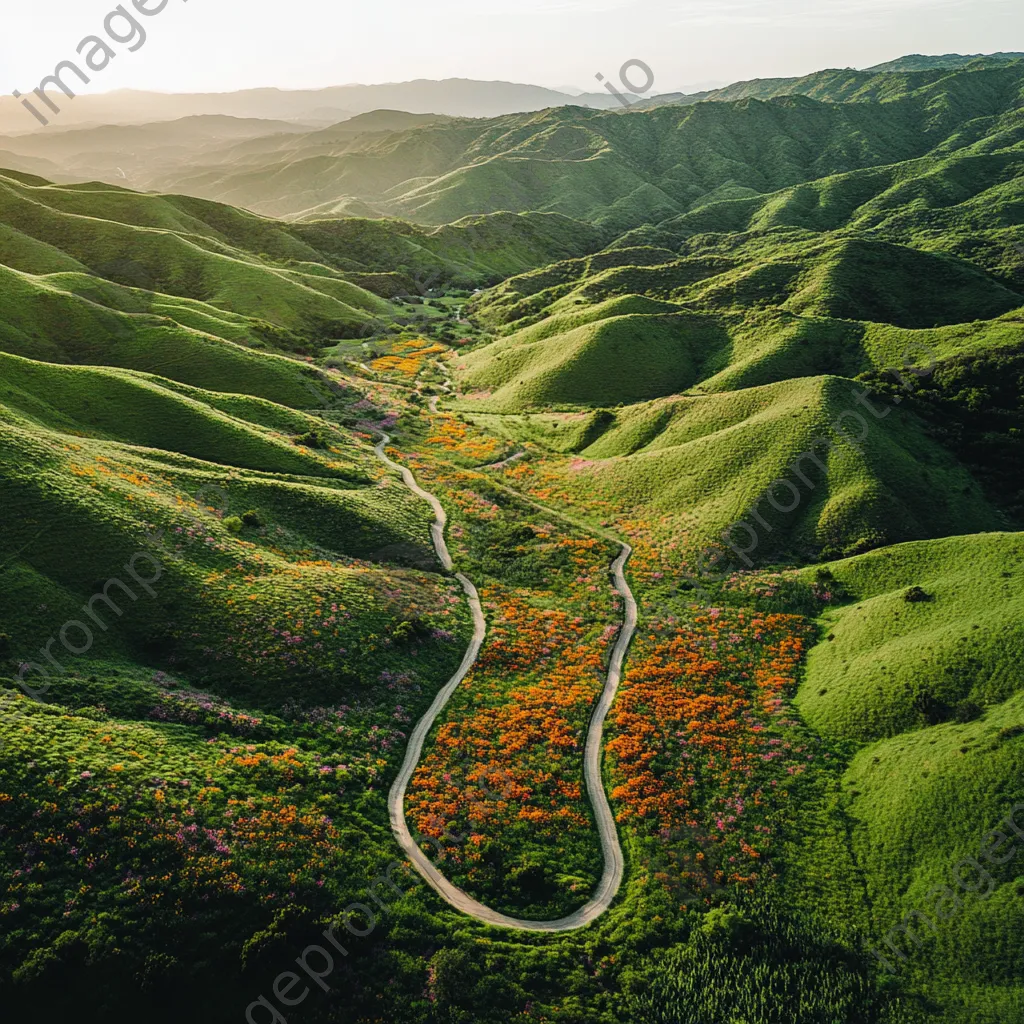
(619, 171)
(773, 341)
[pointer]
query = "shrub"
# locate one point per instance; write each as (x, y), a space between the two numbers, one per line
(967, 711)
(826, 587)
(252, 518)
(312, 439)
(451, 976)
(234, 524)
(933, 710)
(726, 924)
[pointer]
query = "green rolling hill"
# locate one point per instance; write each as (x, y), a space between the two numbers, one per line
(734, 311)
(704, 463)
(920, 661)
(572, 363)
(621, 171)
(843, 275)
(210, 295)
(104, 459)
(949, 61)
(887, 81)
(890, 665)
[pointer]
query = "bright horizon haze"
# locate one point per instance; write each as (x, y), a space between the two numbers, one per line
(215, 46)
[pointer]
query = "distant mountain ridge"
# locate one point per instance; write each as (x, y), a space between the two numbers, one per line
(615, 171)
(456, 97)
(844, 84)
(947, 61)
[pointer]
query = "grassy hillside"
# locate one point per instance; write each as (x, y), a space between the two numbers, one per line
(141, 410)
(664, 352)
(209, 296)
(951, 61)
(938, 203)
(921, 804)
(44, 321)
(741, 312)
(704, 463)
(841, 275)
(48, 227)
(919, 654)
(893, 80)
(471, 250)
(900, 656)
(103, 463)
(186, 569)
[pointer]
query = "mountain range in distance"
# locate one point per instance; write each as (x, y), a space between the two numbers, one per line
(460, 97)
(455, 97)
(597, 167)
(948, 61)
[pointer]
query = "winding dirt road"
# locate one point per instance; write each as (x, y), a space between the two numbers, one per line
(614, 864)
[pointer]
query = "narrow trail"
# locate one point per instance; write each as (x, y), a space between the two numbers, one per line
(502, 463)
(614, 864)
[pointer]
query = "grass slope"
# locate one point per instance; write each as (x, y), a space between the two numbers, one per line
(930, 691)
(890, 664)
(100, 464)
(703, 463)
(583, 364)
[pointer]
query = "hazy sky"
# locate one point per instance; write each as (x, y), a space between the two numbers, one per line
(219, 45)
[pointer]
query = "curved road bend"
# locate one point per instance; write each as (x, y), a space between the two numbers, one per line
(614, 864)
